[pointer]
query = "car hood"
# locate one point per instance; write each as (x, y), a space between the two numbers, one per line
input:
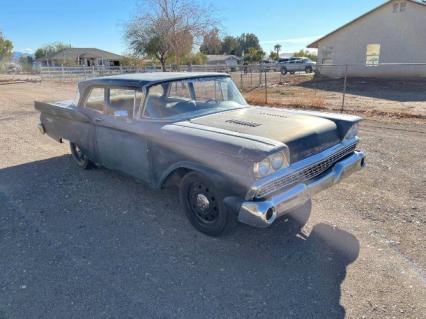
(303, 134)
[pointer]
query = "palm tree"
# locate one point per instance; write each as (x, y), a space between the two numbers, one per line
(277, 48)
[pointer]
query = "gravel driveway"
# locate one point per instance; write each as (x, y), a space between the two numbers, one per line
(95, 244)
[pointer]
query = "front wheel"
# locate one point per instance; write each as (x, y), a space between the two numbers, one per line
(204, 205)
(81, 160)
(308, 69)
(284, 71)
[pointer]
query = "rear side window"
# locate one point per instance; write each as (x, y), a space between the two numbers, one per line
(96, 99)
(123, 103)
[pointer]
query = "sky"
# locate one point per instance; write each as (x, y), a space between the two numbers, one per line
(101, 23)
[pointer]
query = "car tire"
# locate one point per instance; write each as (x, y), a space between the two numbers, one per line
(203, 205)
(284, 71)
(292, 72)
(80, 158)
(308, 69)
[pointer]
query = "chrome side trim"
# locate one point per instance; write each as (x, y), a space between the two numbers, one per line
(255, 214)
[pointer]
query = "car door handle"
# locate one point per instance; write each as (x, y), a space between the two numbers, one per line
(98, 119)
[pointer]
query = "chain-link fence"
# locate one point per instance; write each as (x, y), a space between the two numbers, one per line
(396, 88)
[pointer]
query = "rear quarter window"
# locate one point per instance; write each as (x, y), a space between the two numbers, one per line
(95, 100)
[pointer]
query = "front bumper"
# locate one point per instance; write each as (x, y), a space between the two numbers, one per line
(264, 213)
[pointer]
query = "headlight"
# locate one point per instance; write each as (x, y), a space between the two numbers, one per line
(262, 168)
(353, 131)
(277, 161)
(270, 164)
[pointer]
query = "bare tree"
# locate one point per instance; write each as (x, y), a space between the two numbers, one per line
(168, 29)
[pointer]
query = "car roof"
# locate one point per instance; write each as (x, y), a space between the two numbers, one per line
(142, 79)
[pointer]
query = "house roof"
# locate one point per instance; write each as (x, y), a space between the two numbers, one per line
(316, 43)
(220, 57)
(141, 79)
(75, 53)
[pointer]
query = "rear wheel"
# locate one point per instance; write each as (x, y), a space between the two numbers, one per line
(79, 157)
(284, 71)
(203, 205)
(292, 72)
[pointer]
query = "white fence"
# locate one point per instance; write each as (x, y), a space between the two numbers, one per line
(78, 73)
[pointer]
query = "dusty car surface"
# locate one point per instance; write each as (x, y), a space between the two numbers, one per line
(231, 161)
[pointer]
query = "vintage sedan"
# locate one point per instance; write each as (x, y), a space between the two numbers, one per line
(231, 161)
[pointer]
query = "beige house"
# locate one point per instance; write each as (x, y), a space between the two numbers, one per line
(394, 32)
(81, 56)
(228, 60)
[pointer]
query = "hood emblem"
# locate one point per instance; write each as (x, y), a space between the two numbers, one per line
(273, 114)
(243, 123)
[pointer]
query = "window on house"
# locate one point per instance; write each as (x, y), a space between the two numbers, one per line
(327, 55)
(399, 7)
(395, 8)
(373, 54)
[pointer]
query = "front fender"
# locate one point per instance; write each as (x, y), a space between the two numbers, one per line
(191, 166)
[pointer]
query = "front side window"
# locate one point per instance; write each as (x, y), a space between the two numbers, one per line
(192, 97)
(96, 99)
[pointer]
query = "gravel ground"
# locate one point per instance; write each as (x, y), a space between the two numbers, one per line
(79, 244)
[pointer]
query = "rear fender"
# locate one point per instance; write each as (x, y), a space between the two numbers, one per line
(64, 121)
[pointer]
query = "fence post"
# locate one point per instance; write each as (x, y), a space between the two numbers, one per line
(241, 79)
(345, 82)
(266, 89)
(63, 73)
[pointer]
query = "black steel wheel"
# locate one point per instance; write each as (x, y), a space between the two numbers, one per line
(308, 69)
(79, 157)
(203, 205)
(284, 71)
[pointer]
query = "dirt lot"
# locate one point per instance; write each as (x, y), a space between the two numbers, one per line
(96, 244)
(399, 98)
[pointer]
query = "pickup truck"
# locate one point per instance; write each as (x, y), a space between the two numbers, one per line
(232, 162)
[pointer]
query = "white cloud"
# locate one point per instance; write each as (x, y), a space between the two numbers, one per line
(26, 50)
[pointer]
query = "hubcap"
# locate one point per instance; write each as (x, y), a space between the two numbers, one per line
(202, 202)
(78, 154)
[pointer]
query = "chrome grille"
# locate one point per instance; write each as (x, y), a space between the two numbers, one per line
(305, 173)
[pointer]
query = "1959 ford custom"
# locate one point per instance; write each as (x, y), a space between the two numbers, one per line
(231, 161)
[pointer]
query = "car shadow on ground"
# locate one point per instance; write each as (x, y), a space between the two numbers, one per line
(77, 243)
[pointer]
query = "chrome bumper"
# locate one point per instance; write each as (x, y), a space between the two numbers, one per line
(264, 213)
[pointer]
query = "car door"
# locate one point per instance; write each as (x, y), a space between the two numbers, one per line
(122, 141)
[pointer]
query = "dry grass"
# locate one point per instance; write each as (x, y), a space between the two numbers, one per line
(257, 97)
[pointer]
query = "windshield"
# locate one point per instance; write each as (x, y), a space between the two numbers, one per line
(192, 97)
